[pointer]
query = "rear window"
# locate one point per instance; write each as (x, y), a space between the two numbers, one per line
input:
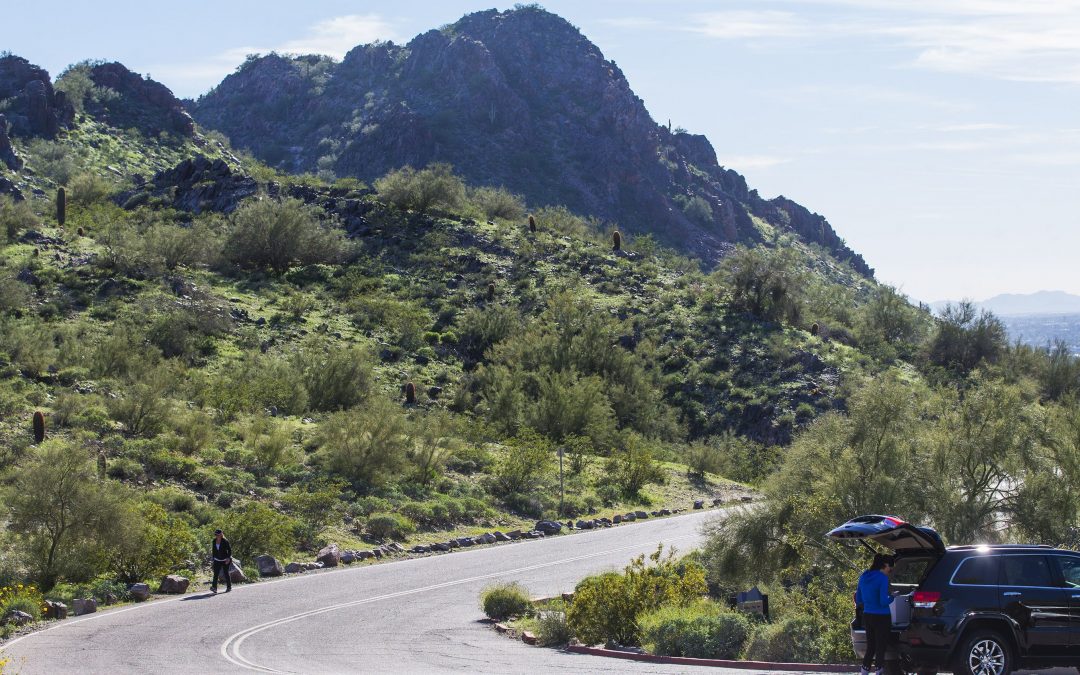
(980, 571)
(1027, 570)
(910, 571)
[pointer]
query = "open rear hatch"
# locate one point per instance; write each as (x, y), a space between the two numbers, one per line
(890, 532)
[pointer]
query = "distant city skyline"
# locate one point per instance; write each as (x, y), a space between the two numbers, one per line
(939, 139)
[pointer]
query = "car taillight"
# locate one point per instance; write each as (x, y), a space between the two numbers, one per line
(925, 599)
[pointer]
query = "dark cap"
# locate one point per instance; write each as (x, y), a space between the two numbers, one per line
(217, 531)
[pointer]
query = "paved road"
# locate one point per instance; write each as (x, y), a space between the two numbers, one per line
(411, 616)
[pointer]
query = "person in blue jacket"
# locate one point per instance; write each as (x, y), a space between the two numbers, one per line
(873, 594)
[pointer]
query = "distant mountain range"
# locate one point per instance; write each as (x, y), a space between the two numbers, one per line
(1019, 304)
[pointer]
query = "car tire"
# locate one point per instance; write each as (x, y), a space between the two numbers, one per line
(984, 652)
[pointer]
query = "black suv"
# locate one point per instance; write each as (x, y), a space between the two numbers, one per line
(981, 610)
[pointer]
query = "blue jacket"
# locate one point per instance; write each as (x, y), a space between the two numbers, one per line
(873, 592)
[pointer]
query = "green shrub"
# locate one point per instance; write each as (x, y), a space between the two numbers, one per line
(497, 203)
(335, 377)
(389, 526)
(87, 188)
(792, 640)
(124, 468)
(702, 630)
(151, 543)
(254, 529)
(272, 235)
(551, 627)
(23, 598)
(435, 185)
(504, 600)
(606, 607)
(16, 217)
(366, 445)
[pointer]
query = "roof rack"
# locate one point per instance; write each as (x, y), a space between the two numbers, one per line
(970, 547)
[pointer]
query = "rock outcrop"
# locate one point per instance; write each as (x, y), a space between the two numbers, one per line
(174, 584)
(138, 102)
(269, 566)
(35, 108)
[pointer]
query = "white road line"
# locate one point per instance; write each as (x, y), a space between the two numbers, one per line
(230, 649)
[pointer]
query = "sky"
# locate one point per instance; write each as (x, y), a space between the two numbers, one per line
(940, 138)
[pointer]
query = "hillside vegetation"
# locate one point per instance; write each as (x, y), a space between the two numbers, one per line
(302, 361)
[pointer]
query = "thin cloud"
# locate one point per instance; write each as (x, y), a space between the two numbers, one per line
(332, 37)
(1034, 41)
(335, 37)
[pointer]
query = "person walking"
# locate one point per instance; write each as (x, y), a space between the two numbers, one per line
(873, 594)
(221, 559)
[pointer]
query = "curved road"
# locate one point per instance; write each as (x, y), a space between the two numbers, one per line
(409, 616)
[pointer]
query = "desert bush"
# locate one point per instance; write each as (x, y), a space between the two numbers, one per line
(87, 188)
(151, 542)
(522, 465)
(271, 235)
(435, 185)
(315, 505)
(497, 203)
(701, 630)
(144, 408)
(792, 640)
(765, 282)
(702, 457)
(479, 328)
(335, 377)
(551, 627)
(63, 514)
(389, 526)
(167, 246)
(255, 382)
(503, 600)
(267, 439)
(255, 529)
(16, 217)
(366, 445)
(632, 467)
(51, 159)
(606, 607)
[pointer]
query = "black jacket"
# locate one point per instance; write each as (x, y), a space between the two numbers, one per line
(223, 553)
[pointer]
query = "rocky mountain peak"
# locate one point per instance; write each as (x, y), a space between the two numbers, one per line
(33, 107)
(137, 102)
(515, 98)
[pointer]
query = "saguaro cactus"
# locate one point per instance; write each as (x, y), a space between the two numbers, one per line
(491, 291)
(410, 393)
(616, 241)
(39, 427)
(815, 329)
(61, 206)
(532, 224)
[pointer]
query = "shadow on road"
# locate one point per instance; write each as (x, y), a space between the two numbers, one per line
(200, 596)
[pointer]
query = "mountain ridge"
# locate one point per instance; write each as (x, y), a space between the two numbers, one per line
(1022, 304)
(519, 99)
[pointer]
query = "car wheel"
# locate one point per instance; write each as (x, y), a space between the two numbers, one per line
(984, 653)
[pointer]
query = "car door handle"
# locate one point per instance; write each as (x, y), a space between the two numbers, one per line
(1010, 594)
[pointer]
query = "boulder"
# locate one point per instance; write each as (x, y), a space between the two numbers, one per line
(173, 584)
(514, 534)
(311, 566)
(641, 514)
(486, 538)
(377, 552)
(236, 574)
(466, 541)
(269, 566)
(348, 558)
(617, 519)
(665, 512)
(329, 556)
(364, 555)
(699, 504)
(420, 548)
(18, 618)
(395, 547)
(718, 501)
(54, 609)
(80, 606)
(139, 592)
(440, 547)
(747, 498)
(548, 527)
(585, 524)
(630, 517)
(294, 568)
(499, 536)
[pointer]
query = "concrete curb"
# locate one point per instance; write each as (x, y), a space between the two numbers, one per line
(719, 663)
